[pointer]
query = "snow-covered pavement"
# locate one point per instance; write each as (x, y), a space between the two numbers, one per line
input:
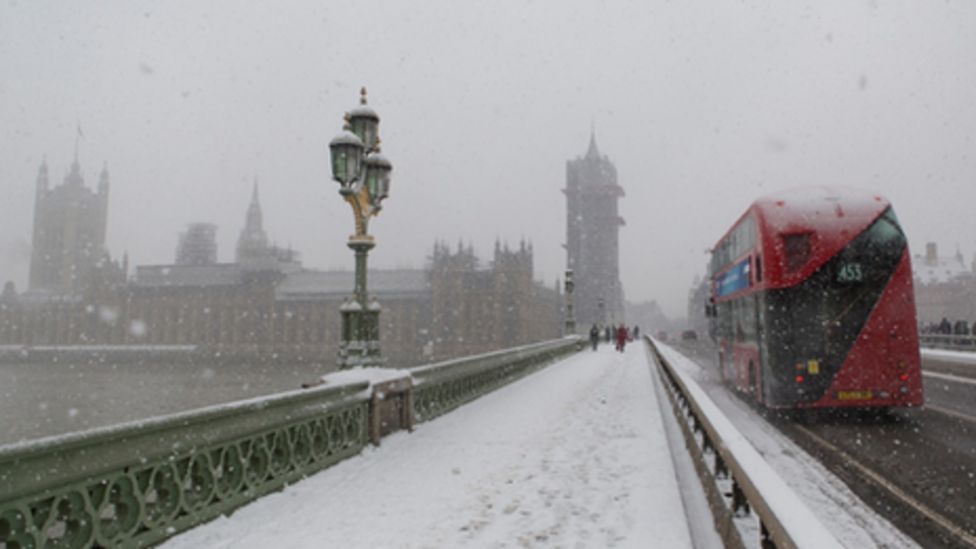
(571, 456)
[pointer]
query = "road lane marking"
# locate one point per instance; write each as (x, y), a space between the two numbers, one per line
(948, 412)
(950, 377)
(956, 530)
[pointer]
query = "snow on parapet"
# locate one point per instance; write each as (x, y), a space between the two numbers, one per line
(374, 376)
(801, 523)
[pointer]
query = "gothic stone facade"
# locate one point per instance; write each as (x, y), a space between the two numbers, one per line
(478, 310)
(263, 305)
(285, 313)
(69, 232)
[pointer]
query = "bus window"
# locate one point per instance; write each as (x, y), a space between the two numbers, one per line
(797, 250)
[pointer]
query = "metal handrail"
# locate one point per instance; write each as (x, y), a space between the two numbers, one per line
(785, 521)
(948, 341)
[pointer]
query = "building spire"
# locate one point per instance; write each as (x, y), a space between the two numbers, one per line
(592, 151)
(103, 179)
(253, 241)
(78, 137)
(42, 174)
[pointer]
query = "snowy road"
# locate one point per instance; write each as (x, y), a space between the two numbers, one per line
(571, 456)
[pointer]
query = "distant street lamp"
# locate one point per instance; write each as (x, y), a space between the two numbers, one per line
(570, 325)
(363, 175)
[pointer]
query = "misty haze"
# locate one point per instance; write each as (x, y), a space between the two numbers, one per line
(597, 274)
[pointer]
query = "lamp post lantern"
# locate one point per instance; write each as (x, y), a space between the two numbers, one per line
(363, 174)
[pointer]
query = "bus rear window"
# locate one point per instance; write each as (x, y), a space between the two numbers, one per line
(797, 250)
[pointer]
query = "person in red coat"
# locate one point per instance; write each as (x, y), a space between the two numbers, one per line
(621, 337)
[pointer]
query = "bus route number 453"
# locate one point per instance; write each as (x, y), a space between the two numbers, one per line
(850, 272)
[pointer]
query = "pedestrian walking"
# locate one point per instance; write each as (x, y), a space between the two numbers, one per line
(594, 336)
(621, 337)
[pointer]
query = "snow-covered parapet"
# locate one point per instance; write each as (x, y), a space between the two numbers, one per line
(390, 394)
(371, 375)
(173, 472)
(443, 386)
(783, 516)
(199, 464)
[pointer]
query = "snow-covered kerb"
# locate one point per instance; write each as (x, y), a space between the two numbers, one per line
(785, 520)
(137, 483)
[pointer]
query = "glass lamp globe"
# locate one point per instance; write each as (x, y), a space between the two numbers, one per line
(347, 153)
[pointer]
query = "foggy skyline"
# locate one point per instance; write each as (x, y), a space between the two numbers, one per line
(702, 108)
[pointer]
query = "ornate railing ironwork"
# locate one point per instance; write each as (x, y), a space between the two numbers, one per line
(442, 387)
(135, 484)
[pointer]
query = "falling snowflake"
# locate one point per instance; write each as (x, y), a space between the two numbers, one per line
(137, 328)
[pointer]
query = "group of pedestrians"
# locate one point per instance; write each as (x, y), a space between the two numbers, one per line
(619, 334)
(946, 327)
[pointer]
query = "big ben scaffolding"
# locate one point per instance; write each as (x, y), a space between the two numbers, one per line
(592, 237)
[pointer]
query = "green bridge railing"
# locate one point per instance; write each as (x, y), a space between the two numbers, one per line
(135, 484)
(442, 387)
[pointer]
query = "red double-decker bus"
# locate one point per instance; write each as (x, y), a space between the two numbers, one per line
(812, 303)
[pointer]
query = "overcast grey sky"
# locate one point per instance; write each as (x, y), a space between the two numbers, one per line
(702, 106)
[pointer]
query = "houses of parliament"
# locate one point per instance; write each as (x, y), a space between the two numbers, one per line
(264, 305)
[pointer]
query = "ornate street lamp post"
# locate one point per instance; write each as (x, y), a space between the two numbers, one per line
(363, 175)
(570, 326)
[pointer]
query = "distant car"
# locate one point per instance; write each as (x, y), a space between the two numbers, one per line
(663, 336)
(689, 335)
